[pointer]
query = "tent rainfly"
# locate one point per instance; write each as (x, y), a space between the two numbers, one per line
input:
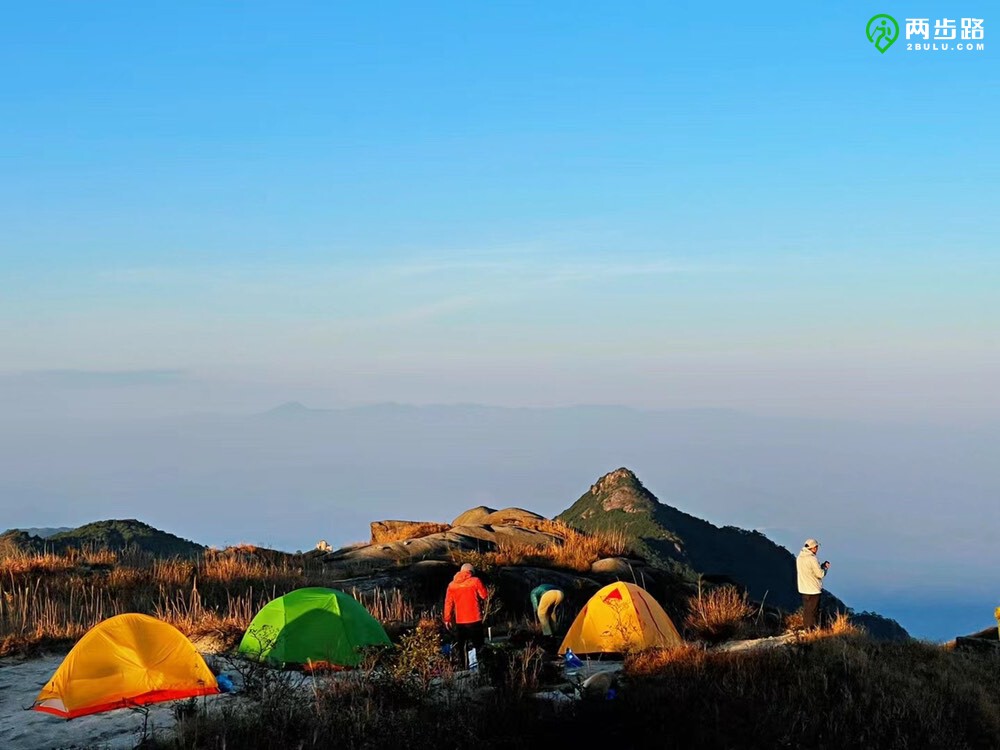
(126, 661)
(312, 625)
(620, 617)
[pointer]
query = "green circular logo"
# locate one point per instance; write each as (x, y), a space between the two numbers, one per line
(882, 31)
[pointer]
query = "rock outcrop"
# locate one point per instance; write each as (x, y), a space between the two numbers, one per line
(480, 529)
(391, 531)
(617, 566)
(512, 517)
(440, 546)
(473, 516)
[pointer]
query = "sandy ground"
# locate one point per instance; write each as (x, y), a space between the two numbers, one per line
(20, 681)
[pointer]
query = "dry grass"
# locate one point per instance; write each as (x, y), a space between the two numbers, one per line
(33, 616)
(840, 625)
(387, 606)
(719, 614)
(793, 620)
(14, 561)
(573, 550)
(49, 600)
(654, 661)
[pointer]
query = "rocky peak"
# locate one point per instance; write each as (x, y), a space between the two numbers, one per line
(622, 490)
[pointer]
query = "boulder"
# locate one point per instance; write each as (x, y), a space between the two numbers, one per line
(977, 645)
(496, 535)
(597, 686)
(514, 585)
(990, 634)
(473, 516)
(513, 517)
(393, 531)
(422, 585)
(439, 546)
(484, 516)
(430, 547)
(616, 566)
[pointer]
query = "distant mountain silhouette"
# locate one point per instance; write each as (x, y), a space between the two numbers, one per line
(112, 534)
(292, 408)
(43, 532)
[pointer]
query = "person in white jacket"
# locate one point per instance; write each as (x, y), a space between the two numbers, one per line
(811, 575)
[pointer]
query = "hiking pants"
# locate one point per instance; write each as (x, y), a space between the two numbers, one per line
(469, 635)
(810, 610)
(548, 607)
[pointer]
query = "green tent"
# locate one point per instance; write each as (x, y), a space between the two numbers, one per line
(313, 624)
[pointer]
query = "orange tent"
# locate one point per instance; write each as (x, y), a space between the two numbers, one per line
(620, 617)
(128, 660)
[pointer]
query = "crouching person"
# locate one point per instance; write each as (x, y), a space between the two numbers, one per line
(545, 600)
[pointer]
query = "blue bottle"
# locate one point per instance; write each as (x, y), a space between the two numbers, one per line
(571, 660)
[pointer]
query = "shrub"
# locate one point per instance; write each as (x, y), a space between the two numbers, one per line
(420, 657)
(718, 614)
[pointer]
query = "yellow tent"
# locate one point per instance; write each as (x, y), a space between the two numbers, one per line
(128, 660)
(620, 617)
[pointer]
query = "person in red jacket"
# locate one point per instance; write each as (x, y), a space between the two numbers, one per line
(462, 608)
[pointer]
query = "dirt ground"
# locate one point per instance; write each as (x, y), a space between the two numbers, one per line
(21, 729)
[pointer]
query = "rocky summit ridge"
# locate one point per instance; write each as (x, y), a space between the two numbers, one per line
(669, 537)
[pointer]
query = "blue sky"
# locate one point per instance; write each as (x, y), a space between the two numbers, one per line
(217, 207)
(652, 205)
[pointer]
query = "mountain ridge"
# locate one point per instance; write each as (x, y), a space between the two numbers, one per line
(675, 539)
(668, 538)
(112, 534)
